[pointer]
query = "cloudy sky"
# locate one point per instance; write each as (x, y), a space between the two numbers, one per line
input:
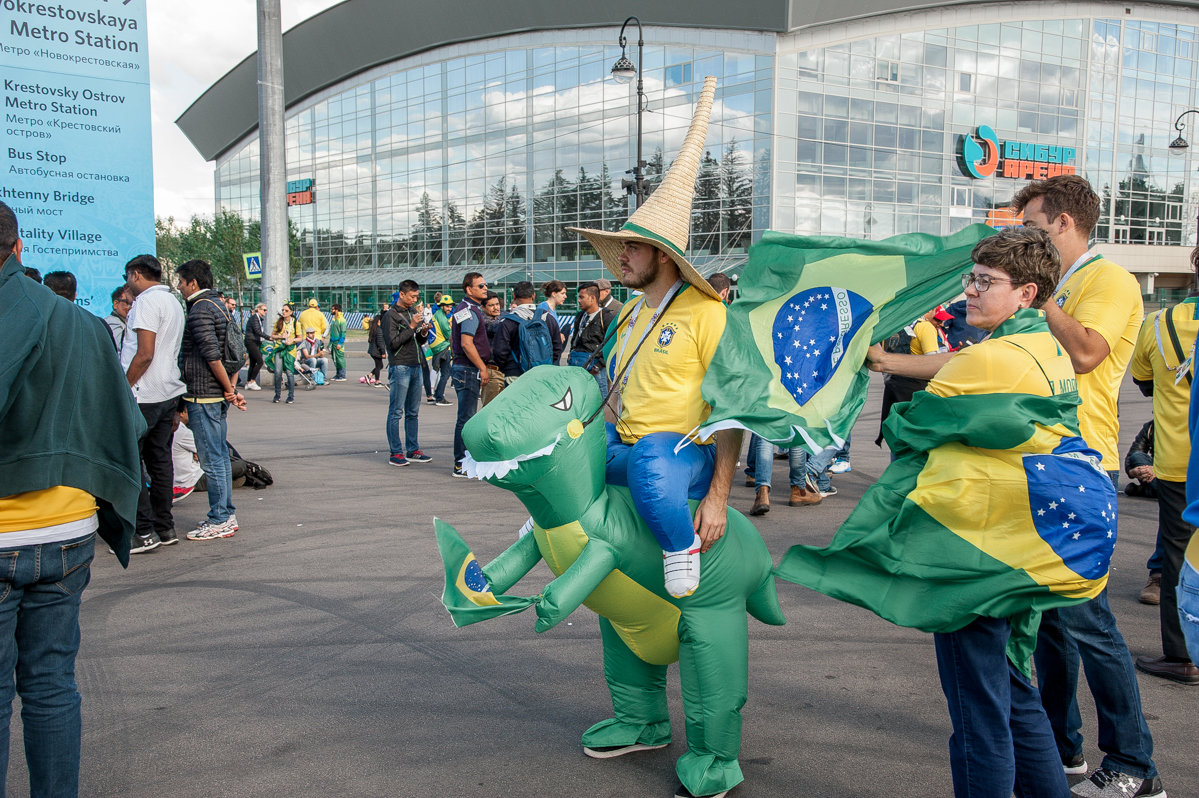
(191, 46)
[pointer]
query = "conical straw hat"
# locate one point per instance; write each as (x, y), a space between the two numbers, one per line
(664, 220)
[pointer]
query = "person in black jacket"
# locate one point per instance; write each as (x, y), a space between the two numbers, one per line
(254, 336)
(403, 327)
(591, 324)
(209, 394)
(507, 335)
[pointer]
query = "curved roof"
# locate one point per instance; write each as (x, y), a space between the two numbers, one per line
(356, 35)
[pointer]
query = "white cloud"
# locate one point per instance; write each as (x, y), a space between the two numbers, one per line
(191, 47)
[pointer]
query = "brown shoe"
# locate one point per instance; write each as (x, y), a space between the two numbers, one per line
(761, 501)
(1151, 593)
(749, 481)
(1181, 672)
(804, 498)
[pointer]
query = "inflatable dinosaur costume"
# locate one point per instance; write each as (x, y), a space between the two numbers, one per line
(533, 440)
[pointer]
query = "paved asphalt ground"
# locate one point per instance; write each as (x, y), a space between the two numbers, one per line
(310, 655)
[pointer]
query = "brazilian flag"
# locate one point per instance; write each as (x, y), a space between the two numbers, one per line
(467, 595)
(993, 507)
(809, 307)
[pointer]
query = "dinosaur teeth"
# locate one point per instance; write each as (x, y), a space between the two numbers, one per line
(485, 469)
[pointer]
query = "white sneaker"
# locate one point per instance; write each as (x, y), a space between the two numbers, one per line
(210, 531)
(233, 522)
(253, 386)
(840, 466)
(682, 570)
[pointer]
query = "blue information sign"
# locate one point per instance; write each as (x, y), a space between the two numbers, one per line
(76, 157)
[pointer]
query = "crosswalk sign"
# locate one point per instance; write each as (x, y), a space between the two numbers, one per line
(253, 262)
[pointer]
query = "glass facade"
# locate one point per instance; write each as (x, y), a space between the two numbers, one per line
(480, 162)
(478, 156)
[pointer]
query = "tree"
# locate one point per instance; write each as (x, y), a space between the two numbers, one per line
(705, 214)
(736, 188)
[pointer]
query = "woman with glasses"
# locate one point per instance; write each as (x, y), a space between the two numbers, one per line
(281, 353)
(254, 338)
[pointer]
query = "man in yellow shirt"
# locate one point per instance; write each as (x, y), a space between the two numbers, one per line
(1096, 315)
(312, 317)
(657, 356)
(57, 491)
(1163, 367)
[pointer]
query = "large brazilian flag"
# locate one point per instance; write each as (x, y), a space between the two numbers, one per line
(467, 595)
(790, 364)
(993, 507)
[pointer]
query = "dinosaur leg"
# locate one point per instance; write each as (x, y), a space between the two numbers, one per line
(714, 671)
(638, 698)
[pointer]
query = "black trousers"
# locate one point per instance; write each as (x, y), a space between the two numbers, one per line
(1175, 534)
(154, 503)
(254, 353)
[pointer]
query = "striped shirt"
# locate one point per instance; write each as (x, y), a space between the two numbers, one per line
(156, 310)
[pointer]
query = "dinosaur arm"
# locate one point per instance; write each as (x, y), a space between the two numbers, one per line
(563, 596)
(512, 564)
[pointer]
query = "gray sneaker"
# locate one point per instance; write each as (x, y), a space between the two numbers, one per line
(1104, 783)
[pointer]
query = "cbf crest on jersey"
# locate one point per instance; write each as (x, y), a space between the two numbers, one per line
(790, 365)
(666, 336)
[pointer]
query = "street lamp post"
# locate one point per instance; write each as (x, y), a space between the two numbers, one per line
(623, 71)
(1178, 147)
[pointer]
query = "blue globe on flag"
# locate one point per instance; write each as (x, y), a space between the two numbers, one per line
(811, 333)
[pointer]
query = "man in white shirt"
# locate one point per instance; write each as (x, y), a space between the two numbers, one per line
(150, 359)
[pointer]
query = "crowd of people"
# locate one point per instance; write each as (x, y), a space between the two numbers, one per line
(154, 363)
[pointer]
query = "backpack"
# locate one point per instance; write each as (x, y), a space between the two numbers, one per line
(257, 477)
(535, 347)
(900, 342)
(233, 343)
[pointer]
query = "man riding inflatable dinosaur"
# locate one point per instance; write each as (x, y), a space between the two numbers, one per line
(628, 520)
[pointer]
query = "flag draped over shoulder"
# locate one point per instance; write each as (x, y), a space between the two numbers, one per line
(993, 507)
(467, 595)
(790, 364)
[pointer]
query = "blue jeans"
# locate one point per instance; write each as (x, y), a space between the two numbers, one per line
(751, 457)
(208, 425)
(441, 363)
(320, 364)
(580, 359)
(1088, 632)
(1001, 742)
(467, 386)
(39, 629)
(661, 482)
(403, 403)
(799, 461)
(1188, 608)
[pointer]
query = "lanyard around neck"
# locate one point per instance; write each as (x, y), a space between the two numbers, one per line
(632, 320)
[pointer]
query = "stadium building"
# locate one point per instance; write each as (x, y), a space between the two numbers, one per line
(426, 141)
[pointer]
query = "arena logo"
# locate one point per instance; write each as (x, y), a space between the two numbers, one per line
(299, 192)
(982, 155)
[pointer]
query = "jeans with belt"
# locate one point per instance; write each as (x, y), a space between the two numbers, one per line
(467, 384)
(40, 590)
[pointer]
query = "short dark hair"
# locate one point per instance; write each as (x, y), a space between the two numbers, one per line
(490, 296)
(552, 287)
(9, 231)
(469, 279)
(590, 289)
(1068, 194)
(409, 285)
(720, 281)
(32, 274)
(119, 291)
(61, 283)
(335, 307)
(147, 266)
(196, 271)
(1024, 254)
(523, 290)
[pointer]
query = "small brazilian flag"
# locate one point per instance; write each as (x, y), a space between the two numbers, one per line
(994, 507)
(467, 595)
(796, 338)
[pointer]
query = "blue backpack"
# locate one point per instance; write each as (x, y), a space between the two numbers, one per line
(535, 347)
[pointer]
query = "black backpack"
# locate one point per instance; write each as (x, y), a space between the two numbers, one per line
(900, 342)
(233, 343)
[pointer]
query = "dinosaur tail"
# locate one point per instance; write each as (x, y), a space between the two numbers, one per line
(763, 603)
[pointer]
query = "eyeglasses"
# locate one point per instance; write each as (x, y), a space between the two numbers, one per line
(124, 302)
(981, 282)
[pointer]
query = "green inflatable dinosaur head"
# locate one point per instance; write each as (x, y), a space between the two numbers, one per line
(536, 427)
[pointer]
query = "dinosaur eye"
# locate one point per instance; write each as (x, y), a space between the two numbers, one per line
(565, 402)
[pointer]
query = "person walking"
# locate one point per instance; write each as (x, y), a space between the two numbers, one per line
(255, 334)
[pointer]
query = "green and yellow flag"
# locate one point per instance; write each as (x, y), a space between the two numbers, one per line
(790, 364)
(467, 595)
(993, 507)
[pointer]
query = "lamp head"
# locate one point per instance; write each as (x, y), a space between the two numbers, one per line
(623, 71)
(1178, 146)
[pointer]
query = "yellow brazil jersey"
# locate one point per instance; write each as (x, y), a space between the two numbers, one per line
(924, 339)
(311, 317)
(1029, 363)
(1103, 297)
(662, 393)
(1157, 359)
(38, 509)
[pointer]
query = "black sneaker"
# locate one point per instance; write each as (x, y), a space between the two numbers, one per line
(290, 401)
(169, 539)
(1075, 765)
(143, 543)
(419, 457)
(458, 472)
